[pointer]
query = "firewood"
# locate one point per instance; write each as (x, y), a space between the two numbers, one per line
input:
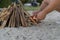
(3, 25)
(26, 12)
(23, 16)
(15, 16)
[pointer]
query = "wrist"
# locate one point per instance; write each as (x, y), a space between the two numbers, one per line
(45, 13)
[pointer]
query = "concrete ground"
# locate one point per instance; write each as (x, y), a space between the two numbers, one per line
(49, 29)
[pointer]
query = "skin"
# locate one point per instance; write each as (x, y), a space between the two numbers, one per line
(46, 7)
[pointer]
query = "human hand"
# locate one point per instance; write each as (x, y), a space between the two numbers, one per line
(35, 13)
(41, 16)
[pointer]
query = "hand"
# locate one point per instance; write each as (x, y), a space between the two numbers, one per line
(35, 13)
(41, 16)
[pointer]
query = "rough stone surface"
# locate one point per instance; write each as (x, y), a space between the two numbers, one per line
(49, 29)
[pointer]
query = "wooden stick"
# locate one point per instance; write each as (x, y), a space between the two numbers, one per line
(8, 19)
(27, 12)
(23, 16)
(30, 17)
(4, 23)
(14, 19)
(17, 16)
(11, 22)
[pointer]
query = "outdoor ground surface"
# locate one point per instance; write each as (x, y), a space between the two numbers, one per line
(49, 29)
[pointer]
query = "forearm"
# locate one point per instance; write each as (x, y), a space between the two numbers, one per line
(50, 7)
(43, 6)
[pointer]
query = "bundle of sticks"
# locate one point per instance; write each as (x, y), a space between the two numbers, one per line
(15, 16)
